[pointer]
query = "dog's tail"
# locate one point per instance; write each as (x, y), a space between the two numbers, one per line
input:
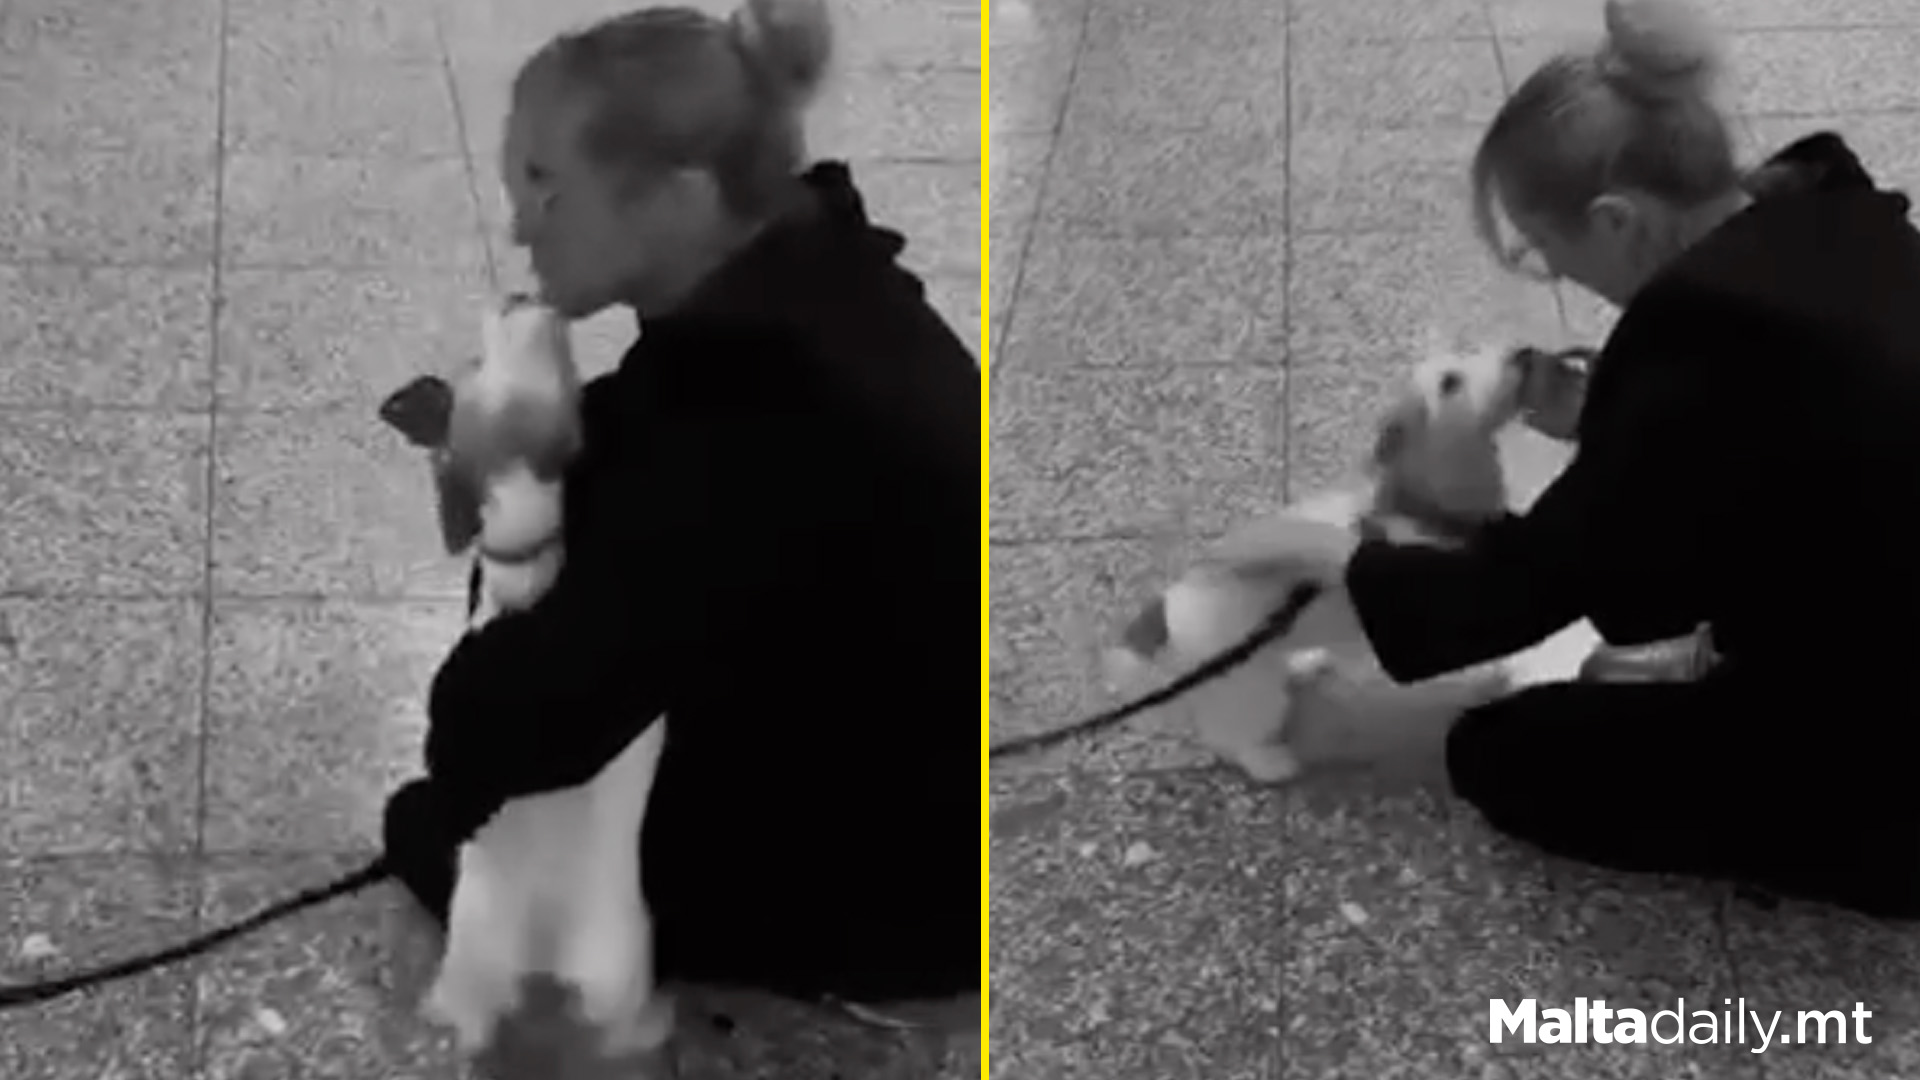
(1141, 643)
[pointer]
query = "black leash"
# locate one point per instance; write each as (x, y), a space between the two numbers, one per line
(1274, 626)
(420, 410)
(376, 871)
(14, 997)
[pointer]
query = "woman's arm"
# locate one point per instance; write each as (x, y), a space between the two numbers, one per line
(1624, 529)
(1428, 611)
(542, 699)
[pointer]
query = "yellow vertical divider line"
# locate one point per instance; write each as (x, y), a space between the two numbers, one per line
(986, 472)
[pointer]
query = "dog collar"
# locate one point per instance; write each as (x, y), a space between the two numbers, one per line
(1423, 513)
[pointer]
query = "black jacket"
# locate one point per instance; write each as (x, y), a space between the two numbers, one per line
(771, 539)
(1749, 456)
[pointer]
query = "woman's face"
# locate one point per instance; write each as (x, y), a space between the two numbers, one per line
(1610, 252)
(594, 239)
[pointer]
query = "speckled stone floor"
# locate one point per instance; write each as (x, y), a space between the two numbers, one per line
(1219, 230)
(227, 229)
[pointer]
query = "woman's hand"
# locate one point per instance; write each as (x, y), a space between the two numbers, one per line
(1554, 390)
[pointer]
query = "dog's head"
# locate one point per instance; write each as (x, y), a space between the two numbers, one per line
(517, 404)
(1435, 457)
(1436, 470)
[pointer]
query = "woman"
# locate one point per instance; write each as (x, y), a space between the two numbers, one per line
(771, 534)
(1748, 457)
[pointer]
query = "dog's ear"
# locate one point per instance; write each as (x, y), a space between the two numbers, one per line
(459, 498)
(422, 411)
(1146, 635)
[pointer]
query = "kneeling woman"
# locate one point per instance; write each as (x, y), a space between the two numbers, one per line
(1748, 457)
(771, 531)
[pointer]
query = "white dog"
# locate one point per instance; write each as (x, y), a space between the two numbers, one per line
(551, 884)
(1436, 472)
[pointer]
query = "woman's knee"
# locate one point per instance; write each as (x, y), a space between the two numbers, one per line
(1537, 762)
(1484, 751)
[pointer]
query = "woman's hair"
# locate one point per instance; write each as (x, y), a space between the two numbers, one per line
(672, 87)
(1636, 112)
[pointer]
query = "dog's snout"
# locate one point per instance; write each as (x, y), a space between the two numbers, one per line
(516, 300)
(1525, 358)
(1525, 362)
(1451, 382)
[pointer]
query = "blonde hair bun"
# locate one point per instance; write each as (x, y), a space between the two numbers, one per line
(1658, 49)
(790, 43)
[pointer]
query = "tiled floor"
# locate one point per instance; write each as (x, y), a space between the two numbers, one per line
(1219, 230)
(227, 229)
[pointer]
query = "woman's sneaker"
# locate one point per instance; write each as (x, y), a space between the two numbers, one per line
(952, 1016)
(1676, 660)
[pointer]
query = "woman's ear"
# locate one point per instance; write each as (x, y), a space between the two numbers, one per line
(694, 197)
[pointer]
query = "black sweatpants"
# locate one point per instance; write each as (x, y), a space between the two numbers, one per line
(805, 920)
(1804, 792)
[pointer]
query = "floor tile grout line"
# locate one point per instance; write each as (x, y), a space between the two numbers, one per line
(1052, 135)
(179, 411)
(462, 133)
(1725, 29)
(1723, 942)
(10, 774)
(205, 265)
(1495, 29)
(1141, 535)
(198, 594)
(1283, 939)
(1286, 254)
(1134, 367)
(186, 857)
(1733, 30)
(196, 1017)
(211, 472)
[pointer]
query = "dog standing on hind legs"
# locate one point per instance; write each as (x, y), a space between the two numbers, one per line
(1435, 475)
(551, 885)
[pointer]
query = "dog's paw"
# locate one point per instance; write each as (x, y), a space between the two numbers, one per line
(643, 1030)
(1308, 666)
(609, 963)
(1271, 763)
(1122, 669)
(467, 1010)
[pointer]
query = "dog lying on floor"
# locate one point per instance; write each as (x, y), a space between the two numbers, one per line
(550, 885)
(1435, 474)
